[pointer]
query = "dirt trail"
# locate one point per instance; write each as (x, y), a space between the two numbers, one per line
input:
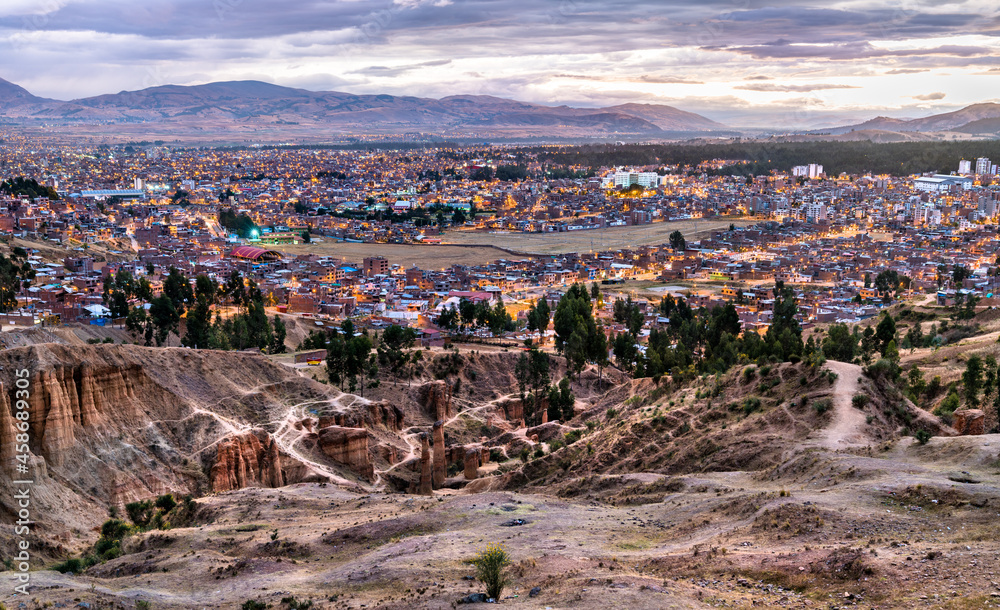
(847, 423)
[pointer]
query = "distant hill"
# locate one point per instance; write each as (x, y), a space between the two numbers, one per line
(244, 104)
(967, 120)
(13, 96)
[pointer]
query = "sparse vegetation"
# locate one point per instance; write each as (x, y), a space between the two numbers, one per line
(491, 567)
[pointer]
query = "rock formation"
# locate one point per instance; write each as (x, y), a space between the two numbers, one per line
(425, 465)
(547, 431)
(250, 459)
(367, 416)
(349, 447)
(440, 459)
(437, 400)
(471, 463)
(7, 435)
(970, 421)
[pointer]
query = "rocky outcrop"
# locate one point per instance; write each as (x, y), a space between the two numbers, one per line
(367, 415)
(440, 456)
(437, 400)
(547, 431)
(513, 410)
(426, 487)
(348, 447)
(251, 459)
(471, 463)
(970, 422)
(8, 435)
(66, 398)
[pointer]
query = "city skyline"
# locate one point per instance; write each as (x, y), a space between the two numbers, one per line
(796, 64)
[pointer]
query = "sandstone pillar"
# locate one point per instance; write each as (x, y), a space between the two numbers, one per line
(471, 463)
(425, 465)
(440, 463)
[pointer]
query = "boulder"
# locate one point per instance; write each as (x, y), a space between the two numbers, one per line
(970, 421)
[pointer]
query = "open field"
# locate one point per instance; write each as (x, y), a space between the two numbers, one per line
(425, 257)
(612, 238)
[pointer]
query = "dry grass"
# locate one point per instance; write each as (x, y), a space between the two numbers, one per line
(425, 257)
(613, 238)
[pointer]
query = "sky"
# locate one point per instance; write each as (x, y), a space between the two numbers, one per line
(740, 62)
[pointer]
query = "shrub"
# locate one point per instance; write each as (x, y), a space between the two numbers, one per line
(71, 566)
(922, 436)
(496, 455)
(750, 404)
(860, 401)
(140, 512)
(143, 604)
(822, 406)
(252, 604)
(749, 373)
(612, 413)
(572, 436)
(491, 564)
(166, 503)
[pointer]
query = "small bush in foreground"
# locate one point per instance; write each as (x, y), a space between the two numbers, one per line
(491, 564)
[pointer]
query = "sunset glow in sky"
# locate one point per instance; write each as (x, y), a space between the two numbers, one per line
(743, 61)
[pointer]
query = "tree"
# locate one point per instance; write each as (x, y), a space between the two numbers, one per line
(499, 319)
(574, 324)
(784, 335)
(840, 344)
(392, 348)
(959, 274)
(916, 386)
(336, 359)
(626, 352)
(915, 336)
(448, 318)
(972, 378)
(539, 316)
(164, 318)
(306, 236)
(677, 241)
(561, 401)
(278, 339)
(15, 274)
(627, 312)
(885, 332)
(177, 288)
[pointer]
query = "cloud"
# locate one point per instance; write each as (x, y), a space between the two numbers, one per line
(784, 49)
(644, 78)
(795, 88)
(928, 97)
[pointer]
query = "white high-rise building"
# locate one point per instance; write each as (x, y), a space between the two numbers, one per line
(982, 166)
(643, 179)
(964, 167)
(812, 170)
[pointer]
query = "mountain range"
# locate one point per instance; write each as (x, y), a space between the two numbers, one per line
(245, 103)
(978, 119)
(263, 111)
